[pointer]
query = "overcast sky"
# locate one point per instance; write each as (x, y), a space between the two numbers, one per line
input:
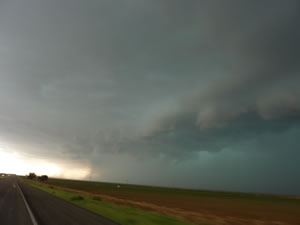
(197, 94)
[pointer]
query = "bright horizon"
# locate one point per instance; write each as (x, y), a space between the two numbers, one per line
(14, 163)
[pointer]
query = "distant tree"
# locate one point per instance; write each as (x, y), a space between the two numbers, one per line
(31, 176)
(43, 178)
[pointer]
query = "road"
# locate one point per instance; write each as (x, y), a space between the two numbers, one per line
(12, 207)
(45, 208)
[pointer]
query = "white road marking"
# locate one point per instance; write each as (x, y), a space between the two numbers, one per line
(33, 220)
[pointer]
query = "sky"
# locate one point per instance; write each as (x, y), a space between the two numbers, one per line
(194, 94)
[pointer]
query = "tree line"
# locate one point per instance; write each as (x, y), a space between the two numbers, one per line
(33, 176)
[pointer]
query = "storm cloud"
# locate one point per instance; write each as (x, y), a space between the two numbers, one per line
(136, 87)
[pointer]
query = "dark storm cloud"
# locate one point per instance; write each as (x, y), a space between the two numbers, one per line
(264, 69)
(169, 79)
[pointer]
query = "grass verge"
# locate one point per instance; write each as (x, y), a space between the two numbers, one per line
(121, 214)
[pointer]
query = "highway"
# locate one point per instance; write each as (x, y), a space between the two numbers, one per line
(12, 208)
(21, 204)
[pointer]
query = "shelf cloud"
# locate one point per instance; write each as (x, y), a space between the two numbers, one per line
(136, 87)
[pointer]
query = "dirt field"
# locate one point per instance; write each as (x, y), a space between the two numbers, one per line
(199, 207)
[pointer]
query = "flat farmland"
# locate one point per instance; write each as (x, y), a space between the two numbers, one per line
(196, 206)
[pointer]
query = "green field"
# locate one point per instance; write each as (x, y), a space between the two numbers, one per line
(121, 214)
(127, 190)
(195, 206)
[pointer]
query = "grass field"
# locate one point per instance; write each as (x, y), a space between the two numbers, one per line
(121, 214)
(198, 207)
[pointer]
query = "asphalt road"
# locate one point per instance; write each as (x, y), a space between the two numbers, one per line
(12, 207)
(46, 209)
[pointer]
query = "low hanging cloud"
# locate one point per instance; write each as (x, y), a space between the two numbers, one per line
(87, 81)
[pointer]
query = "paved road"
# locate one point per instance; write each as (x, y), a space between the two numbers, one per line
(12, 207)
(46, 209)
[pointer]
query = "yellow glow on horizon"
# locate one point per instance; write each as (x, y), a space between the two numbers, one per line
(10, 163)
(13, 163)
